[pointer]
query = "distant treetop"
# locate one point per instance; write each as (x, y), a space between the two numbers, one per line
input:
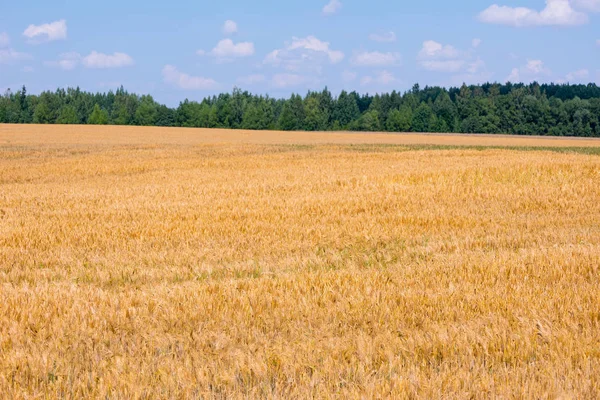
(533, 109)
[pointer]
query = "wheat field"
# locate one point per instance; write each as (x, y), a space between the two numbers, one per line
(140, 263)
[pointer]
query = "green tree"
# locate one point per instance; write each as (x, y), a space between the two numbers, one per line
(147, 112)
(124, 107)
(326, 105)
(4, 104)
(489, 108)
(399, 120)
(42, 114)
(68, 116)
(10, 111)
(252, 118)
(445, 111)
(165, 116)
(237, 103)
(346, 109)
(98, 116)
(188, 114)
(423, 119)
(26, 111)
(120, 113)
(368, 122)
(225, 114)
(316, 119)
(213, 117)
(594, 107)
(292, 116)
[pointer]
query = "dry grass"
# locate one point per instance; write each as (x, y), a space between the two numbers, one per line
(85, 135)
(176, 265)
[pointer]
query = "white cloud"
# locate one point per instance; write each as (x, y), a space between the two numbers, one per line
(383, 37)
(589, 5)
(433, 49)
(227, 49)
(28, 68)
(473, 72)
(4, 40)
(443, 65)
(375, 59)
(47, 32)
(184, 81)
(332, 7)
(66, 61)
(349, 76)
(441, 58)
(314, 44)
(382, 78)
(306, 54)
(578, 76)
(514, 75)
(9, 56)
(273, 58)
(335, 56)
(252, 79)
(230, 27)
(465, 65)
(70, 61)
(100, 60)
(475, 66)
(366, 80)
(534, 69)
(598, 42)
(556, 12)
(288, 80)
(536, 66)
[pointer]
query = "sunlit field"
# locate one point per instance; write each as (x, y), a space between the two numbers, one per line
(188, 263)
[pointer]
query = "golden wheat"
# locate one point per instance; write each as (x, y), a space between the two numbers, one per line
(156, 263)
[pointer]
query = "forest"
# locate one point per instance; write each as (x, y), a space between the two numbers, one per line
(532, 109)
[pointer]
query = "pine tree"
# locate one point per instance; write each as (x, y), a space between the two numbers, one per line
(292, 115)
(445, 111)
(346, 109)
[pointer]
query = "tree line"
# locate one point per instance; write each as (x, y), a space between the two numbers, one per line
(533, 109)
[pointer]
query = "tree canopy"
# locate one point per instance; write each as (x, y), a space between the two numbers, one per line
(533, 109)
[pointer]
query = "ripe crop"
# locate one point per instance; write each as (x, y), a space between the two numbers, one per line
(156, 263)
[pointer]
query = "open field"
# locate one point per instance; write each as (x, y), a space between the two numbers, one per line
(174, 263)
(77, 135)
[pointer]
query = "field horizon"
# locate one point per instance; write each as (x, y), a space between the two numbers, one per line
(24, 134)
(194, 263)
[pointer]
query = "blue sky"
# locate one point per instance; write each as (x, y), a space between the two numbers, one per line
(191, 49)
